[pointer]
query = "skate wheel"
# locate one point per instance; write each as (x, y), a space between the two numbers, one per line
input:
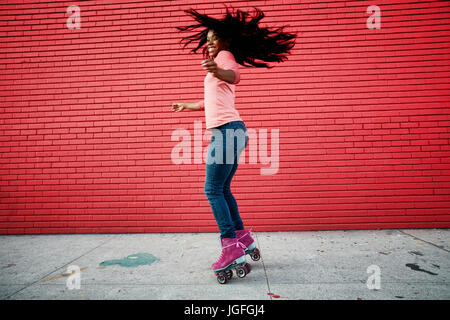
(248, 267)
(241, 272)
(222, 278)
(229, 274)
(255, 255)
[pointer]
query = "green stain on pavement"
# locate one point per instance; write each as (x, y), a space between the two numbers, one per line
(133, 260)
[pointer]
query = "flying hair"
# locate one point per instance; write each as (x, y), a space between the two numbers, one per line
(251, 45)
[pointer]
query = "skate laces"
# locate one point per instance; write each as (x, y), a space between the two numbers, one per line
(240, 244)
(237, 244)
(245, 233)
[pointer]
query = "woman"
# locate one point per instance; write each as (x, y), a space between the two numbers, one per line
(229, 41)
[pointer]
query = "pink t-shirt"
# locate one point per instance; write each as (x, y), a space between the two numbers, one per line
(219, 95)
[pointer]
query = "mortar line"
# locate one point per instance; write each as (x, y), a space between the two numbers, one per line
(46, 275)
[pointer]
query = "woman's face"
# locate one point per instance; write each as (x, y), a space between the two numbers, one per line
(215, 45)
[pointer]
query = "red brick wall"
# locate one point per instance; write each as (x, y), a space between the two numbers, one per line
(86, 128)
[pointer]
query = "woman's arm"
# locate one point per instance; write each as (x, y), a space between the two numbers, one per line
(224, 75)
(179, 106)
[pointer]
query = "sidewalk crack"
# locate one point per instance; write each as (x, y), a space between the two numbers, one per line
(431, 243)
(264, 266)
(59, 268)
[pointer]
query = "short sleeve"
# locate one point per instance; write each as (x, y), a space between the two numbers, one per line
(225, 60)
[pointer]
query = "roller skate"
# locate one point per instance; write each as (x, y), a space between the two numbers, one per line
(232, 257)
(247, 240)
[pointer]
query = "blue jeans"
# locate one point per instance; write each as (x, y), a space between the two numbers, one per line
(227, 143)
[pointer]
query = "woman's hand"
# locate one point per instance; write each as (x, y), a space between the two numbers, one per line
(178, 106)
(210, 66)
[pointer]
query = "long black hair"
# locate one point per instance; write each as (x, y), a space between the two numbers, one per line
(248, 41)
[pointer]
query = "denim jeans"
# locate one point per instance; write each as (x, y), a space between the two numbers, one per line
(227, 143)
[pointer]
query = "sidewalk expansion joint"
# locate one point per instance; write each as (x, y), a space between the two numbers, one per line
(425, 241)
(264, 266)
(59, 268)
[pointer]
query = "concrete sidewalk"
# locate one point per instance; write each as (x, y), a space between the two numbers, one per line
(411, 264)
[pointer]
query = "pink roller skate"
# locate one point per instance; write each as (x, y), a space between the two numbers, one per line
(247, 240)
(232, 257)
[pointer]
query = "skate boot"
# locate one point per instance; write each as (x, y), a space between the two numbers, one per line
(247, 240)
(232, 257)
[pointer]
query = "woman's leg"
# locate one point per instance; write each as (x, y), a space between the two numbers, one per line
(217, 171)
(219, 176)
(215, 178)
(231, 201)
(239, 145)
